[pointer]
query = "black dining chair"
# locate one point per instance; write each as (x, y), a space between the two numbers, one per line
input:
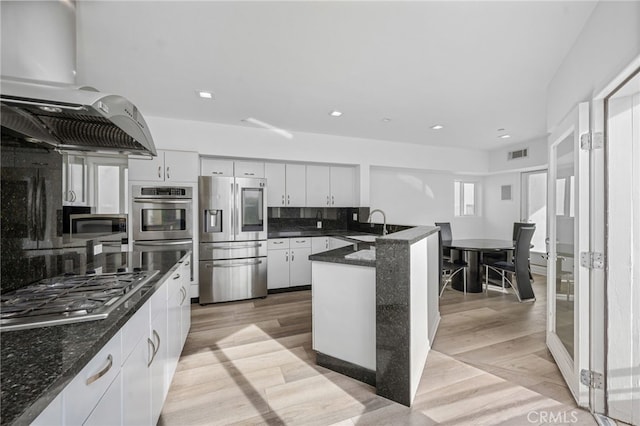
(446, 235)
(516, 228)
(519, 267)
(450, 269)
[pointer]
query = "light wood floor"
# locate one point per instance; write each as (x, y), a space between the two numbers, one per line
(252, 363)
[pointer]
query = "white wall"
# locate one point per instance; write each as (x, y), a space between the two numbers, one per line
(499, 215)
(609, 41)
(422, 197)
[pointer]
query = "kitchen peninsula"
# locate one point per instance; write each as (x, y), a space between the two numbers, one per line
(46, 371)
(375, 311)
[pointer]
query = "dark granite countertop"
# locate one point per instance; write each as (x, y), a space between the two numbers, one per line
(37, 364)
(410, 235)
(315, 233)
(338, 255)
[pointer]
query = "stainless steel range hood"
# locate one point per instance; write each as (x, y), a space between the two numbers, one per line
(73, 118)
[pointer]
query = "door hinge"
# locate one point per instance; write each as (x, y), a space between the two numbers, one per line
(590, 141)
(592, 260)
(592, 379)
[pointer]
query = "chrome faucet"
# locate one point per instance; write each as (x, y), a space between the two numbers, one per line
(384, 219)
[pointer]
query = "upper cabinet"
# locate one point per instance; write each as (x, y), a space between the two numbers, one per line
(216, 167)
(248, 169)
(230, 168)
(285, 185)
(74, 180)
(331, 186)
(168, 166)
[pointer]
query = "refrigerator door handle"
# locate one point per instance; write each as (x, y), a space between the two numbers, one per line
(35, 201)
(42, 210)
(239, 213)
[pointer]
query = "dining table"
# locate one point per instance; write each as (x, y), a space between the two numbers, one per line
(471, 251)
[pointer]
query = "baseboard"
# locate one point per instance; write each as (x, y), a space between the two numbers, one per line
(347, 368)
(288, 289)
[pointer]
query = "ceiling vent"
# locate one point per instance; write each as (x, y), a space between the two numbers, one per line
(521, 153)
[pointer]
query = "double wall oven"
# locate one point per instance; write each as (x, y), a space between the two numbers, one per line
(233, 238)
(162, 223)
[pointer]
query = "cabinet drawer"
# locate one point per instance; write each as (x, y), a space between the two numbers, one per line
(216, 167)
(299, 242)
(158, 302)
(277, 243)
(86, 389)
(249, 169)
(134, 330)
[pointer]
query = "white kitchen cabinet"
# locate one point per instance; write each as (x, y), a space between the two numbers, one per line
(84, 392)
(216, 167)
(136, 374)
(52, 415)
(343, 186)
(300, 266)
(288, 262)
(318, 186)
(278, 263)
(331, 186)
(159, 361)
(286, 185)
(319, 244)
(108, 412)
(248, 169)
(168, 166)
(185, 304)
(174, 320)
(74, 180)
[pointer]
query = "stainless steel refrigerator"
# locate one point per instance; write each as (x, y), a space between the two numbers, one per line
(31, 214)
(233, 238)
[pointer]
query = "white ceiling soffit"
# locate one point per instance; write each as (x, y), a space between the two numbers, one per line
(473, 67)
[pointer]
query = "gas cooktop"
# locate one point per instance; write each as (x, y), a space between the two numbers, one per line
(68, 299)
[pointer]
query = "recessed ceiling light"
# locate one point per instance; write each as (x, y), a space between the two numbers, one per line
(335, 113)
(437, 127)
(386, 119)
(205, 95)
(504, 136)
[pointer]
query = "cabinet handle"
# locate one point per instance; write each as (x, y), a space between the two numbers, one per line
(176, 276)
(184, 295)
(278, 242)
(288, 199)
(286, 257)
(155, 333)
(153, 351)
(159, 171)
(292, 256)
(187, 263)
(327, 200)
(168, 176)
(101, 372)
(73, 196)
(333, 201)
(283, 199)
(249, 174)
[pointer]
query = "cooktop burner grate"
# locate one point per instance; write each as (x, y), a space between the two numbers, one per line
(68, 299)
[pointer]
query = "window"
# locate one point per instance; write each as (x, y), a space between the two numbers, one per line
(108, 180)
(464, 202)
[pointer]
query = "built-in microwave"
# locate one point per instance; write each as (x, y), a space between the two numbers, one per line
(162, 213)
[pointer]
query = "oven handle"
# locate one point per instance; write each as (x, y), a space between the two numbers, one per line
(233, 247)
(161, 201)
(162, 243)
(233, 265)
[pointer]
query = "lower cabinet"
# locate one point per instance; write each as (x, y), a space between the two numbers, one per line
(127, 381)
(288, 263)
(109, 409)
(86, 391)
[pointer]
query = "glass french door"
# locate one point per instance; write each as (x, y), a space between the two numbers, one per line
(568, 229)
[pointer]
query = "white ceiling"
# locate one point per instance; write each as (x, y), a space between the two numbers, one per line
(473, 67)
